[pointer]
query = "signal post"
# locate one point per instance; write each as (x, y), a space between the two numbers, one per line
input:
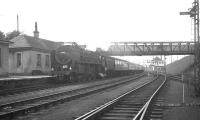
(194, 14)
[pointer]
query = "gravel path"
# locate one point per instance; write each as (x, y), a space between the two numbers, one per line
(76, 108)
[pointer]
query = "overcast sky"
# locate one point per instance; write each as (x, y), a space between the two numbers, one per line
(96, 23)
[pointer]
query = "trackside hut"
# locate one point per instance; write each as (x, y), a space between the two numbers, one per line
(4, 53)
(30, 55)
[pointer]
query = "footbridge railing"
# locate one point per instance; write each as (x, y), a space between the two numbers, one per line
(150, 48)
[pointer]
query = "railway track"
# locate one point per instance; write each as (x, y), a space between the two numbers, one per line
(10, 110)
(132, 105)
(5, 92)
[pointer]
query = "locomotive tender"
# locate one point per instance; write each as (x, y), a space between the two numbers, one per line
(74, 63)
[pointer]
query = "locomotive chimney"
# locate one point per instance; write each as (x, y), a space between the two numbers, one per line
(36, 33)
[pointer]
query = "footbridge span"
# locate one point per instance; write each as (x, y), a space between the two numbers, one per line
(150, 48)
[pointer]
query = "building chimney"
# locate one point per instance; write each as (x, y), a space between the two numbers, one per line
(36, 33)
(17, 23)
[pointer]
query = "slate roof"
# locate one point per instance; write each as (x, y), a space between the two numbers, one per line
(5, 42)
(25, 41)
(157, 59)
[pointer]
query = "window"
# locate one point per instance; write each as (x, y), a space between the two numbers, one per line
(47, 60)
(38, 60)
(19, 59)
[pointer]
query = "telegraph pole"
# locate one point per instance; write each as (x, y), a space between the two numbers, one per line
(194, 14)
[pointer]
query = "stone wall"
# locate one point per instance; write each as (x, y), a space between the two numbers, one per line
(29, 62)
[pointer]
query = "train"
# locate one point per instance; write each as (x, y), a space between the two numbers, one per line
(72, 62)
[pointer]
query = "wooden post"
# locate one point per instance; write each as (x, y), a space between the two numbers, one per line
(182, 76)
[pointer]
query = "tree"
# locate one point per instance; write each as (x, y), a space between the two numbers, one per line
(2, 36)
(12, 34)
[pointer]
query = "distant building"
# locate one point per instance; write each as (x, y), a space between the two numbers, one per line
(4, 53)
(30, 55)
(157, 64)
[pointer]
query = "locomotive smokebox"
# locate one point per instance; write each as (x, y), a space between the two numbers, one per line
(66, 54)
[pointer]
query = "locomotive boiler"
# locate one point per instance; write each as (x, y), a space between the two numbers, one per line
(75, 63)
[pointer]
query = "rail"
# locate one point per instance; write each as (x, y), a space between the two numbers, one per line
(142, 112)
(90, 115)
(26, 105)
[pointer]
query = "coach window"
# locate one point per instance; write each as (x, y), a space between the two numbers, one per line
(38, 60)
(19, 59)
(47, 60)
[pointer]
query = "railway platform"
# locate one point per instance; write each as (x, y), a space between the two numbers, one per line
(14, 81)
(20, 77)
(180, 102)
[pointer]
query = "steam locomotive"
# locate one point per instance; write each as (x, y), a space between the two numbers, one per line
(72, 62)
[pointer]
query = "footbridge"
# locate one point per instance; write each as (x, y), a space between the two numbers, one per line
(150, 48)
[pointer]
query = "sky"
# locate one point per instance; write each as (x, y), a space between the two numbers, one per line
(97, 23)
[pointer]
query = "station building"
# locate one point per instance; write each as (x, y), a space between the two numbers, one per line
(30, 54)
(4, 55)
